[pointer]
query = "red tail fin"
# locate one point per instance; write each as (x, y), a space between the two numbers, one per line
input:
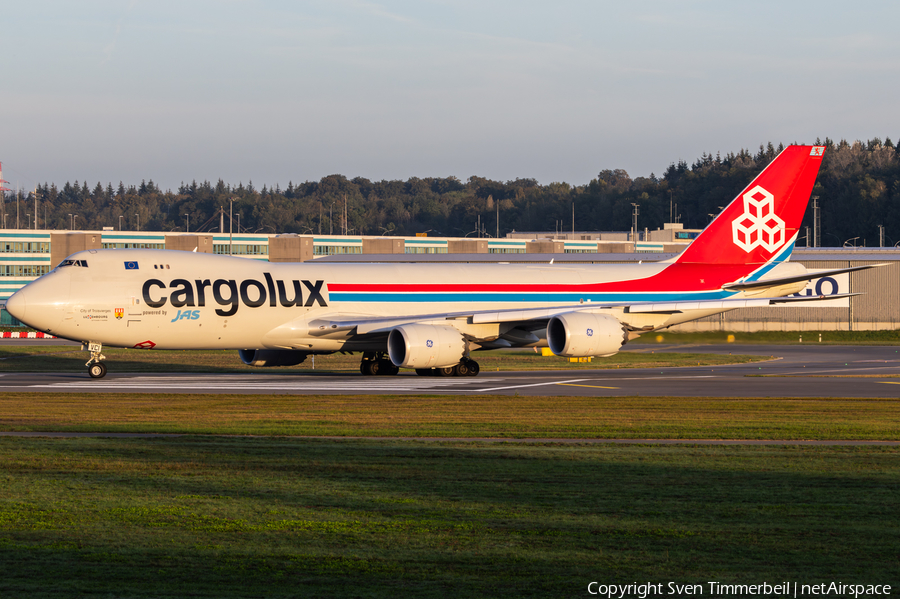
(761, 223)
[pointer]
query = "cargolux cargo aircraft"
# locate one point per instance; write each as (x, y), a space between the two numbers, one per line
(426, 316)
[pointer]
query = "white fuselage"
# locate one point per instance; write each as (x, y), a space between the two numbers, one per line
(182, 300)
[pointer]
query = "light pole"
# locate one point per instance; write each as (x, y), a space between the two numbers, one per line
(817, 223)
(138, 221)
(187, 227)
(120, 222)
(634, 215)
(71, 222)
(74, 216)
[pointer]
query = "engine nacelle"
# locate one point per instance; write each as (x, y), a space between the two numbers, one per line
(271, 357)
(582, 334)
(425, 346)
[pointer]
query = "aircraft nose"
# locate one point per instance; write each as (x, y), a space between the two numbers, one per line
(15, 305)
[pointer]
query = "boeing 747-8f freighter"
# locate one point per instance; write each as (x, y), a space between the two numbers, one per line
(428, 317)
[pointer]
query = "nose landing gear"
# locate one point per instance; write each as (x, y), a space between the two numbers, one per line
(96, 368)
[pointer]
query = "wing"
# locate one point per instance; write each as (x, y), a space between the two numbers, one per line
(361, 324)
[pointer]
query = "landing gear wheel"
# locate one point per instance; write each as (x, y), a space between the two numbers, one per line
(448, 371)
(461, 369)
(473, 368)
(370, 367)
(386, 367)
(97, 370)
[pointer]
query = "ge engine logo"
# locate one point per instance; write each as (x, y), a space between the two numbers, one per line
(590, 332)
(758, 226)
(429, 343)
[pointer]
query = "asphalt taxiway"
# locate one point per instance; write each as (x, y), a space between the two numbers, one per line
(802, 370)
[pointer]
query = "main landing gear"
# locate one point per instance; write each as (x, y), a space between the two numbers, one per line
(466, 367)
(375, 363)
(96, 368)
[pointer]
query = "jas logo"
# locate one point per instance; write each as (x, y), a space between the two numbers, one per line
(187, 315)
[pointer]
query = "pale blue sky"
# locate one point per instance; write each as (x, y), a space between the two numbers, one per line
(278, 91)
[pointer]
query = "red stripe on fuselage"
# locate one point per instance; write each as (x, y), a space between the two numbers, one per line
(675, 278)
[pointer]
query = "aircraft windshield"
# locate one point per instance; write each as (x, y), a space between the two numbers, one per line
(82, 263)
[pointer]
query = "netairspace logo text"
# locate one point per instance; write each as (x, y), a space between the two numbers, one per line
(719, 589)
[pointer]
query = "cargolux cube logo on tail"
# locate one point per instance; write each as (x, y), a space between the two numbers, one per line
(758, 226)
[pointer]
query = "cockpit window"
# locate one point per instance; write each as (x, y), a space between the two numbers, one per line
(82, 263)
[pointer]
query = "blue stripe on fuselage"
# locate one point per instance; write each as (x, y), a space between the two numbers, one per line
(784, 255)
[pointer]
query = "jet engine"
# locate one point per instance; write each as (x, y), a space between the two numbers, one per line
(425, 346)
(582, 334)
(271, 357)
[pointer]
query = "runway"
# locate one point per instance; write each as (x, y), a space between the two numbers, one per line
(797, 371)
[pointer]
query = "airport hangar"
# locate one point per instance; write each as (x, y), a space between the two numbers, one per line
(26, 254)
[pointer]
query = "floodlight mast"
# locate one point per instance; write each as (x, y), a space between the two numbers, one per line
(3, 190)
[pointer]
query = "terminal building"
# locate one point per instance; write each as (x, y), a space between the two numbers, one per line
(27, 254)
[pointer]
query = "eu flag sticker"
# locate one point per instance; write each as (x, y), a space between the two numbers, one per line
(133, 265)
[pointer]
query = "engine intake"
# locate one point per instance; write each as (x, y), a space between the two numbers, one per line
(271, 357)
(582, 334)
(425, 346)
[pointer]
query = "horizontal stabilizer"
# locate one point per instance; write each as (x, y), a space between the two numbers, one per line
(740, 286)
(728, 304)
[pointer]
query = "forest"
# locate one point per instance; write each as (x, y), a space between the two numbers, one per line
(858, 189)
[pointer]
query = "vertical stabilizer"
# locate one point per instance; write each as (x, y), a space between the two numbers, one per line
(760, 225)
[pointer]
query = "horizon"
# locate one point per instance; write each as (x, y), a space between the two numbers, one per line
(278, 91)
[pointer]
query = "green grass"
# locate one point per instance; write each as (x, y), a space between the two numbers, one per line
(774, 337)
(759, 337)
(500, 416)
(71, 359)
(224, 517)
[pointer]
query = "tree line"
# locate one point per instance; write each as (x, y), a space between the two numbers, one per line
(858, 189)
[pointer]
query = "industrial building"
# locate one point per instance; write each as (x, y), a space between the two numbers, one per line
(27, 254)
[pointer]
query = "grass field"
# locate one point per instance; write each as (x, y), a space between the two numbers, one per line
(760, 337)
(456, 416)
(275, 516)
(774, 338)
(68, 358)
(237, 517)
